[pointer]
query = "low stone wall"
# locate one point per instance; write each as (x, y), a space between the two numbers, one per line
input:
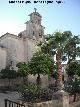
(41, 104)
(49, 104)
(19, 80)
(5, 82)
(75, 104)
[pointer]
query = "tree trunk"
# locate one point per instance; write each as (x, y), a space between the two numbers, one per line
(59, 72)
(38, 80)
(74, 97)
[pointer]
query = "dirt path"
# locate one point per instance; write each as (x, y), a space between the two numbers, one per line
(9, 95)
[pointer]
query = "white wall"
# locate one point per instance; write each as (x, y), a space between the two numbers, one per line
(2, 58)
(14, 48)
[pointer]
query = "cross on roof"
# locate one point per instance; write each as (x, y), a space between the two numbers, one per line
(35, 9)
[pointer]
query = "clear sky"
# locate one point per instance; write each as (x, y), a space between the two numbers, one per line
(62, 16)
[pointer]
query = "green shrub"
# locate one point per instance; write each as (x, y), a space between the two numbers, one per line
(34, 93)
(29, 92)
(46, 94)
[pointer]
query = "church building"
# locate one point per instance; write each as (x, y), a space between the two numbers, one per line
(19, 48)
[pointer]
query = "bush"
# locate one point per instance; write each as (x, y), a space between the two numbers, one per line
(53, 87)
(46, 94)
(29, 92)
(34, 93)
(72, 87)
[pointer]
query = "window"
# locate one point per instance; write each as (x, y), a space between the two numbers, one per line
(39, 21)
(40, 34)
(33, 32)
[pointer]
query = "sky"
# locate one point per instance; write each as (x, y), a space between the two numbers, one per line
(62, 16)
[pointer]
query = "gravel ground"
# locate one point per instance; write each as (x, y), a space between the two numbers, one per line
(14, 96)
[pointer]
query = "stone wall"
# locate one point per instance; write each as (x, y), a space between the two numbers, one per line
(2, 58)
(5, 82)
(48, 104)
(19, 80)
(75, 104)
(41, 104)
(14, 48)
(29, 44)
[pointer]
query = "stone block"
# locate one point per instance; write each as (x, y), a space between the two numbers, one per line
(60, 99)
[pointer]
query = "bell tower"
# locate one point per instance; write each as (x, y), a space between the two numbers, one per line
(35, 17)
(34, 29)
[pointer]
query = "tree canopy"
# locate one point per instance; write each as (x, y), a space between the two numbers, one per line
(64, 45)
(66, 42)
(40, 64)
(73, 68)
(23, 68)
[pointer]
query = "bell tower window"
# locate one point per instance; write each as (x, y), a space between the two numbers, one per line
(33, 33)
(40, 34)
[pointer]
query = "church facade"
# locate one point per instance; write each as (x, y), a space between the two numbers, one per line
(19, 48)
